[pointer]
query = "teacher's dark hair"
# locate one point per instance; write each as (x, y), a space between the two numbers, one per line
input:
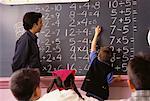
(30, 18)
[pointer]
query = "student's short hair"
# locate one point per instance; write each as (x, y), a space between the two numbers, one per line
(24, 82)
(139, 71)
(107, 51)
(30, 18)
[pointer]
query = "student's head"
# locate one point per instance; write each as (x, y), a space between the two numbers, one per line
(24, 84)
(105, 53)
(32, 20)
(139, 71)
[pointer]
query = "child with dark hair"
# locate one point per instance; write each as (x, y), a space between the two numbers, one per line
(139, 80)
(25, 84)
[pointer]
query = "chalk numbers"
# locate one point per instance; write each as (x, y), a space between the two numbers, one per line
(122, 30)
(68, 30)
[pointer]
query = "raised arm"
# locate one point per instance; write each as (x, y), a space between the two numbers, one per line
(97, 32)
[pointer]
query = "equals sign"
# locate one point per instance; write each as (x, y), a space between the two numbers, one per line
(134, 3)
(134, 12)
(132, 50)
(132, 39)
(134, 19)
(131, 57)
(135, 28)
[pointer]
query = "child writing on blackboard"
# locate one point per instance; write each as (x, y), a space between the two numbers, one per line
(100, 72)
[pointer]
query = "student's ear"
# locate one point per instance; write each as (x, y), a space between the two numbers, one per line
(131, 85)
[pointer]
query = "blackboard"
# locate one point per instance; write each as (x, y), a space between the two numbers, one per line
(68, 29)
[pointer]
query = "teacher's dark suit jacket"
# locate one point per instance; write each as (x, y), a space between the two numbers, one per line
(95, 81)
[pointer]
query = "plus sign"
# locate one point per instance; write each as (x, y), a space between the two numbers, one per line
(118, 50)
(78, 23)
(117, 67)
(120, 20)
(44, 57)
(121, 11)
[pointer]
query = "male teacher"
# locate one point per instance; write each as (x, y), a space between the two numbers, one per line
(26, 50)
